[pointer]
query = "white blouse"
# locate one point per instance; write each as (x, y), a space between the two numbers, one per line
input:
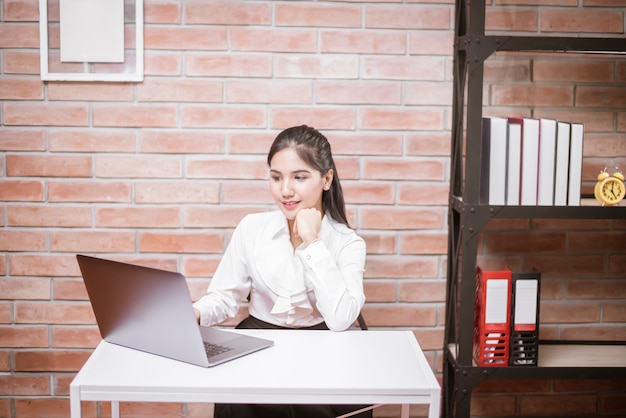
(319, 282)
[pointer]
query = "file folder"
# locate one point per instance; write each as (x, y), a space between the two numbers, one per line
(492, 317)
(524, 347)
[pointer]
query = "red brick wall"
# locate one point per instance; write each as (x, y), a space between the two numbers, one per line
(160, 172)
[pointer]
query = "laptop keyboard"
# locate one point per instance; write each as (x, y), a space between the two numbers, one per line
(215, 349)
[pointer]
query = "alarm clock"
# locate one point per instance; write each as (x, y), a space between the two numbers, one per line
(610, 189)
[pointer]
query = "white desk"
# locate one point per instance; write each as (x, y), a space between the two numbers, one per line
(303, 367)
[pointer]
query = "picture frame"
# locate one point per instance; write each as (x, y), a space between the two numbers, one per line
(111, 44)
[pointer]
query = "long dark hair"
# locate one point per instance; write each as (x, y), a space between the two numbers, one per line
(314, 149)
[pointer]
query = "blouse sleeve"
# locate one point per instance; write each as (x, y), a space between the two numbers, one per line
(229, 286)
(337, 282)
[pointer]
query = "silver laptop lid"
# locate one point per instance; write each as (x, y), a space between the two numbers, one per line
(143, 308)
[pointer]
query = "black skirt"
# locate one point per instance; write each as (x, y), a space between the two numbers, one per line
(284, 411)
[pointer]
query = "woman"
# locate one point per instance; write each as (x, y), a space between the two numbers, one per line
(301, 266)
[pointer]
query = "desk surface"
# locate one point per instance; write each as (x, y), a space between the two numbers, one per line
(302, 367)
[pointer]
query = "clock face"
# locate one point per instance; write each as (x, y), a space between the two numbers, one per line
(612, 190)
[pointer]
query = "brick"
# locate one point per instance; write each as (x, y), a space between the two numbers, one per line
(428, 93)
(167, 90)
(423, 193)
(50, 360)
(20, 11)
(92, 241)
(48, 165)
(89, 140)
(181, 141)
(608, 242)
(379, 291)
(22, 139)
(223, 117)
(404, 68)
(20, 89)
(138, 217)
(228, 65)
(321, 117)
(25, 288)
(75, 337)
(162, 13)
(431, 43)
(617, 265)
(195, 191)
(379, 242)
(401, 219)
(21, 336)
(228, 168)
(20, 240)
(525, 243)
(400, 316)
(185, 38)
(43, 265)
(593, 332)
(364, 143)
(89, 191)
(358, 92)
(558, 404)
(424, 243)
(180, 242)
(48, 407)
(369, 193)
(52, 114)
(422, 291)
(401, 118)
(570, 71)
(513, 95)
(262, 91)
(221, 216)
(162, 63)
(25, 384)
(121, 92)
(428, 143)
(273, 40)
(317, 15)
(17, 35)
(511, 20)
(572, 312)
(363, 42)
(21, 190)
(591, 21)
(317, 66)
(403, 169)
(596, 289)
(601, 96)
(407, 17)
(493, 406)
(138, 166)
(18, 62)
(613, 403)
(228, 13)
(510, 69)
(53, 313)
(69, 289)
(400, 267)
(143, 116)
(614, 312)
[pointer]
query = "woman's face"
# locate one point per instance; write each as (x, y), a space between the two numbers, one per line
(294, 184)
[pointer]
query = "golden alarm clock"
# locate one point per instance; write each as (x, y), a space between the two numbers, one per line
(610, 189)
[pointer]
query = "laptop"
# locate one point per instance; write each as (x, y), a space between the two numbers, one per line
(151, 310)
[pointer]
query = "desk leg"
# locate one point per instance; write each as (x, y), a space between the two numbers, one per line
(405, 410)
(75, 411)
(115, 409)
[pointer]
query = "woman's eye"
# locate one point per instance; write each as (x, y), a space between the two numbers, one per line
(300, 178)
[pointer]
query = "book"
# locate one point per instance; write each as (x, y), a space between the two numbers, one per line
(493, 161)
(492, 317)
(529, 165)
(575, 164)
(547, 153)
(514, 150)
(561, 170)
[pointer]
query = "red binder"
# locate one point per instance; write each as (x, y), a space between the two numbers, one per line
(492, 317)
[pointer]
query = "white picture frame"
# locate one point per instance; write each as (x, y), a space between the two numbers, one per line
(117, 65)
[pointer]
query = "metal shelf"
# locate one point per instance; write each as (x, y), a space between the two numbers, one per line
(467, 217)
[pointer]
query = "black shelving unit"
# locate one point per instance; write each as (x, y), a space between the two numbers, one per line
(467, 216)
